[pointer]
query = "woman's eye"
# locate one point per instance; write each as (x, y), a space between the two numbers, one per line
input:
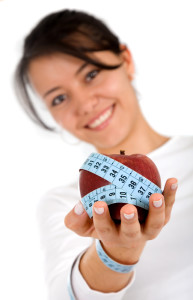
(58, 100)
(91, 75)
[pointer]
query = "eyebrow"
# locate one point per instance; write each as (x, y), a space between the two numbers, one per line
(81, 68)
(58, 87)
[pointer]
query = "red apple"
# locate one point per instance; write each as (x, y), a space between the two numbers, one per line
(137, 162)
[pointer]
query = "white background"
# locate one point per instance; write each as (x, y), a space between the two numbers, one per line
(159, 34)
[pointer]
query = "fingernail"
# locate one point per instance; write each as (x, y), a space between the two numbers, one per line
(157, 203)
(79, 209)
(129, 216)
(174, 186)
(99, 210)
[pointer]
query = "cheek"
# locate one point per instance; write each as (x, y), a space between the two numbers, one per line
(65, 120)
(115, 86)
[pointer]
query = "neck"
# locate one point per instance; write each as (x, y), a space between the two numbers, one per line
(141, 139)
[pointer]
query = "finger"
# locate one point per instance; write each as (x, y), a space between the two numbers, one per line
(169, 196)
(130, 228)
(103, 223)
(78, 220)
(156, 216)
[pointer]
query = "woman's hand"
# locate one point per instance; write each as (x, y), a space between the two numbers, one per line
(125, 242)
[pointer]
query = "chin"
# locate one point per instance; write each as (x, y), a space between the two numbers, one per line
(109, 142)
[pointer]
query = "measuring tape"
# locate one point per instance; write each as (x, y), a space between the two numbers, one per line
(127, 186)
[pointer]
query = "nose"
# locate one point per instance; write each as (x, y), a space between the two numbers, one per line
(85, 103)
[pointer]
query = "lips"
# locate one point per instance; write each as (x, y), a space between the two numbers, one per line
(101, 119)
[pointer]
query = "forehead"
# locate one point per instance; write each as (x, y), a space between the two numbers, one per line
(49, 63)
(65, 60)
(49, 69)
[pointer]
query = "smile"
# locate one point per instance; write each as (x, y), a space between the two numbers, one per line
(102, 121)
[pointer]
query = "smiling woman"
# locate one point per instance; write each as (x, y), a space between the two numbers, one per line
(84, 76)
(87, 102)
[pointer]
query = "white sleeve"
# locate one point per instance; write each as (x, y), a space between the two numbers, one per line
(59, 244)
(61, 247)
(83, 292)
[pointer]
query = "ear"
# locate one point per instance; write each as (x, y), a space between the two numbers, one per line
(128, 61)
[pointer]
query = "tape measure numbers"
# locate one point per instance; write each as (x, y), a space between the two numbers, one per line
(127, 186)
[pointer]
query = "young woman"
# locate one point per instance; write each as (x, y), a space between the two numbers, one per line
(83, 74)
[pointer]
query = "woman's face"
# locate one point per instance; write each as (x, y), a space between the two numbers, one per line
(96, 105)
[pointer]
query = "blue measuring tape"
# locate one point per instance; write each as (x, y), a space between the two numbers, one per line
(110, 263)
(127, 186)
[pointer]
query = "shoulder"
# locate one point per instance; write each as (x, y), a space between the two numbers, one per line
(174, 158)
(182, 146)
(178, 148)
(185, 141)
(176, 145)
(179, 142)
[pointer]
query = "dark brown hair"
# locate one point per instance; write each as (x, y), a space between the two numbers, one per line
(68, 31)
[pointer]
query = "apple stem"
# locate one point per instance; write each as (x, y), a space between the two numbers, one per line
(122, 152)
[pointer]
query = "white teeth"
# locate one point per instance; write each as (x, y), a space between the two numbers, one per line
(102, 118)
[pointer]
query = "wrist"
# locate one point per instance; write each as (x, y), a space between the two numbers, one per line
(110, 263)
(124, 255)
(95, 272)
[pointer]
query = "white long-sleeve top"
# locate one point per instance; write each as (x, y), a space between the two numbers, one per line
(165, 269)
